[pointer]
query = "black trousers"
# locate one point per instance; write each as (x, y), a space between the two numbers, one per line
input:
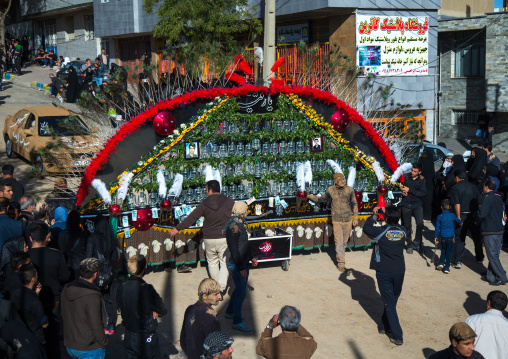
(390, 287)
(407, 214)
(468, 224)
(141, 345)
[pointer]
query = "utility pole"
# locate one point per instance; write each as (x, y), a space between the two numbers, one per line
(269, 38)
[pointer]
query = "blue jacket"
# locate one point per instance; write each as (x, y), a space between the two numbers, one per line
(10, 228)
(444, 224)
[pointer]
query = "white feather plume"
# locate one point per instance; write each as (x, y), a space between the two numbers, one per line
(131, 251)
(351, 178)
(308, 173)
(300, 176)
(163, 189)
(100, 187)
(176, 187)
(335, 166)
(400, 171)
(466, 154)
(216, 176)
(258, 52)
(125, 181)
(156, 246)
(208, 173)
(378, 171)
(168, 242)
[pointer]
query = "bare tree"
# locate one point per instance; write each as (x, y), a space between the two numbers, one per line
(5, 7)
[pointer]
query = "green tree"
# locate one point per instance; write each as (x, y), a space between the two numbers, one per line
(204, 30)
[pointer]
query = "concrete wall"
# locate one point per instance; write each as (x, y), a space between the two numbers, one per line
(465, 8)
(79, 47)
(471, 93)
(119, 18)
(34, 7)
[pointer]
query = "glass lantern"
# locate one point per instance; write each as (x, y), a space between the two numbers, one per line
(131, 201)
(300, 147)
(287, 125)
(256, 144)
(243, 125)
(142, 199)
(274, 148)
(323, 185)
(215, 151)
(255, 127)
(264, 167)
(193, 172)
(223, 150)
(225, 127)
(274, 189)
(268, 125)
(248, 150)
(293, 125)
(283, 189)
(231, 149)
(265, 149)
(198, 194)
(283, 148)
(240, 149)
(240, 189)
(229, 170)
(278, 125)
(154, 199)
(250, 188)
(257, 170)
(291, 147)
(225, 190)
(232, 191)
(222, 169)
(292, 187)
(238, 170)
(204, 151)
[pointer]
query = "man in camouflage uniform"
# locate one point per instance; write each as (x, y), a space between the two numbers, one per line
(343, 202)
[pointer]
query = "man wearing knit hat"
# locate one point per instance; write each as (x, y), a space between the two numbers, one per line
(343, 205)
(462, 344)
(217, 345)
(238, 244)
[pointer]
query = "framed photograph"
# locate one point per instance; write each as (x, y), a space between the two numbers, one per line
(191, 150)
(316, 144)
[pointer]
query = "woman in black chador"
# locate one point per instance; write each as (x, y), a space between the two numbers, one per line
(72, 86)
(427, 162)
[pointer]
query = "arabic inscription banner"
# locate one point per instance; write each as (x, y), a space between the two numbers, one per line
(388, 45)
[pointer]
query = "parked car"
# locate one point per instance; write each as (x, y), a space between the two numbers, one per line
(53, 139)
(413, 152)
(78, 65)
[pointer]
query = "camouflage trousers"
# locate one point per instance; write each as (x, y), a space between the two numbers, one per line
(341, 232)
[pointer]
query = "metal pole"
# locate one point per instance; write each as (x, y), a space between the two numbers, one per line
(269, 38)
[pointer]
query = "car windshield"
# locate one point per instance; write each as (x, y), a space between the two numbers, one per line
(62, 125)
(411, 154)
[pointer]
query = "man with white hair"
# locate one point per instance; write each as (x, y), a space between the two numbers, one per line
(238, 244)
(294, 342)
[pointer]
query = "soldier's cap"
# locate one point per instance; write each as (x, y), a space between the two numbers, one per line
(461, 331)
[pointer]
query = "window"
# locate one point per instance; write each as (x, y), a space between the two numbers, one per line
(470, 54)
(89, 28)
(462, 117)
(50, 34)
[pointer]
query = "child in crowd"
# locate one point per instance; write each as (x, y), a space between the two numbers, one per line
(445, 232)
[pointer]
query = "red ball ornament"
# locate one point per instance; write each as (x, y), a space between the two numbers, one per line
(164, 123)
(115, 209)
(144, 220)
(301, 194)
(166, 204)
(382, 189)
(340, 121)
(359, 199)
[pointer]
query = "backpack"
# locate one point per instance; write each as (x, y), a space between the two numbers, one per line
(105, 275)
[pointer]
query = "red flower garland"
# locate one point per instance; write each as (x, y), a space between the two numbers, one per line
(169, 104)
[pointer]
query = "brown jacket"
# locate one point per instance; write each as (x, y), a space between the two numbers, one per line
(299, 345)
(216, 209)
(343, 202)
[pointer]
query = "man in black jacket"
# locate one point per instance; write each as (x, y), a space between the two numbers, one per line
(200, 319)
(462, 344)
(83, 314)
(17, 188)
(411, 205)
(491, 218)
(140, 305)
(466, 200)
(238, 244)
(388, 262)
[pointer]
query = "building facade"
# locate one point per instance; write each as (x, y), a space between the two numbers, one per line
(473, 74)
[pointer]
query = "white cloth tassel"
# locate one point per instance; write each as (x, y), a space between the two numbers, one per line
(351, 178)
(163, 189)
(400, 171)
(378, 171)
(300, 176)
(335, 166)
(124, 183)
(100, 187)
(216, 176)
(176, 187)
(466, 154)
(308, 173)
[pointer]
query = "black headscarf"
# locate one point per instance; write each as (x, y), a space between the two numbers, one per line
(101, 240)
(73, 88)
(480, 160)
(458, 164)
(427, 162)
